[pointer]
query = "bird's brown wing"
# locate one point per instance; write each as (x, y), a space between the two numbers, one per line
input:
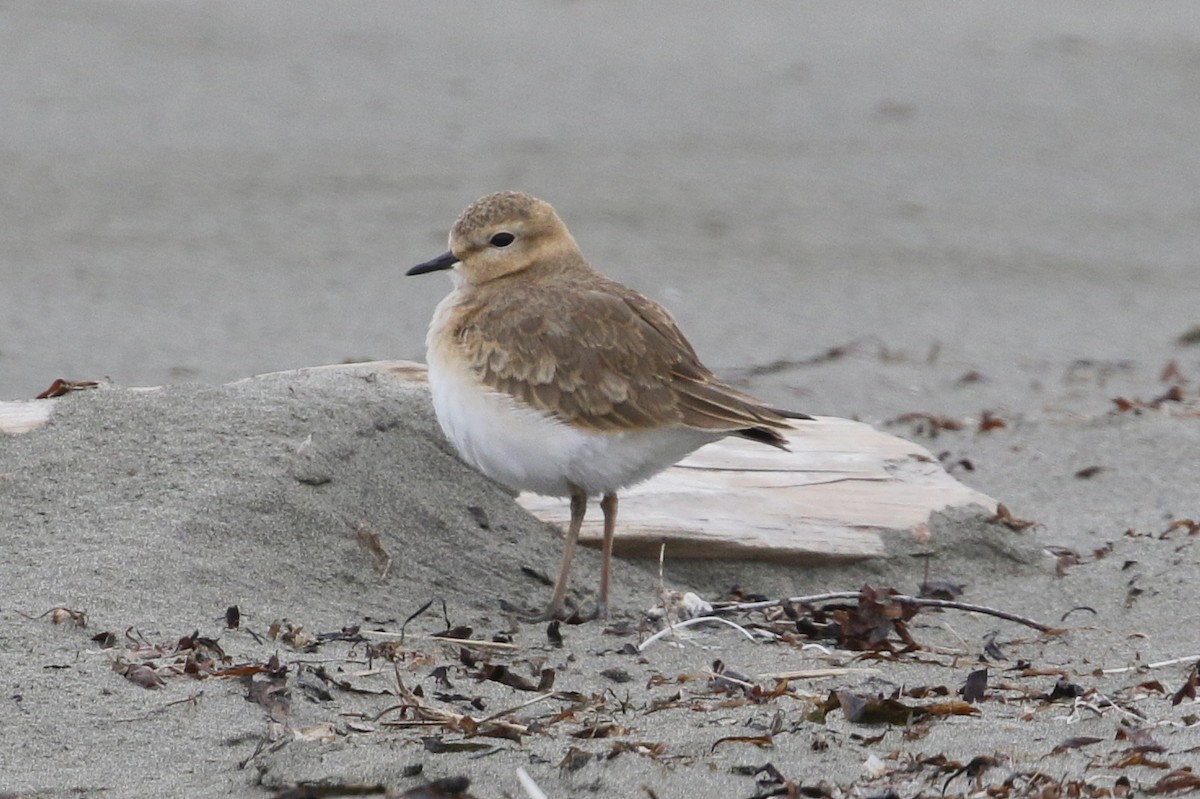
(604, 358)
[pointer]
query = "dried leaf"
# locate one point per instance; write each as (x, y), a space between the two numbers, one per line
(460, 633)
(106, 640)
(242, 670)
(139, 674)
(1075, 743)
(369, 540)
(1135, 757)
(952, 708)
(1189, 336)
(761, 741)
(941, 589)
(271, 694)
(480, 516)
(62, 614)
(975, 686)
(672, 701)
(1188, 689)
(501, 674)
(1140, 739)
(974, 770)
(60, 387)
(601, 730)
(321, 732)
(927, 424)
(575, 759)
(860, 709)
(1181, 524)
(990, 421)
(445, 788)
(1181, 779)
(617, 675)
(1066, 559)
(925, 691)
(972, 376)
(874, 621)
(436, 745)
(1004, 516)
(991, 648)
(1064, 689)
(644, 748)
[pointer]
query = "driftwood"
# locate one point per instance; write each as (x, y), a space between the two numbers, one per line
(839, 494)
(841, 490)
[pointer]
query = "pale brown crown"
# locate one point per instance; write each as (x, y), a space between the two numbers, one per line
(501, 207)
(539, 238)
(535, 321)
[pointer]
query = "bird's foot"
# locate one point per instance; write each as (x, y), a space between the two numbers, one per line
(564, 614)
(599, 613)
(555, 611)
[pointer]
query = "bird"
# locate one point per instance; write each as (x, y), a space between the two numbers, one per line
(549, 377)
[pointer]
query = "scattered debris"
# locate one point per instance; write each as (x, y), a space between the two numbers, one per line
(369, 540)
(60, 387)
(990, 421)
(480, 516)
(61, 614)
(454, 693)
(926, 424)
(975, 687)
(1136, 405)
(1188, 689)
(1189, 337)
(1171, 373)
(970, 377)
(1004, 516)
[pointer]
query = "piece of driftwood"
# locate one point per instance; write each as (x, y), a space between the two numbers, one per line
(837, 495)
(842, 488)
(24, 415)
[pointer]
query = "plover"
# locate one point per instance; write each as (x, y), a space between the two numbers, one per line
(549, 377)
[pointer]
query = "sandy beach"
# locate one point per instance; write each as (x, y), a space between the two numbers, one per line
(969, 225)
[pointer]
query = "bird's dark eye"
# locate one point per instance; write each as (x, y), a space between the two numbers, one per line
(502, 239)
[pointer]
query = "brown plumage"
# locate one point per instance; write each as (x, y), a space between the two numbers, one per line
(616, 362)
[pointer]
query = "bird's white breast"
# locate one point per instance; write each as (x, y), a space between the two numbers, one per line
(527, 449)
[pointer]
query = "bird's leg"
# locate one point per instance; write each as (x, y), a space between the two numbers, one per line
(608, 504)
(558, 598)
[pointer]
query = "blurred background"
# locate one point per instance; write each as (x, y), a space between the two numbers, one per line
(202, 191)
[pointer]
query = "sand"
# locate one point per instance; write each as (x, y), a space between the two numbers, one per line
(975, 208)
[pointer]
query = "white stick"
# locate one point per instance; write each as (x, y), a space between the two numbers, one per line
(529, 785)
(1159, 665)
(699, 619)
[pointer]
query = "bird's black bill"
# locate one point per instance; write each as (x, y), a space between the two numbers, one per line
(443, 261)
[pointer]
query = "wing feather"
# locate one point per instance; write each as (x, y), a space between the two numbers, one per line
(604, 358)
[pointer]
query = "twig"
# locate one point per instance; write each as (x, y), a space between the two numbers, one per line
(813, 674)
(474, 643)
(928, 602)
(515, 708)
(1159, 665)
(441, 639)
(712, 675)
(738, 607)
(688, 623)
(456, 721)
